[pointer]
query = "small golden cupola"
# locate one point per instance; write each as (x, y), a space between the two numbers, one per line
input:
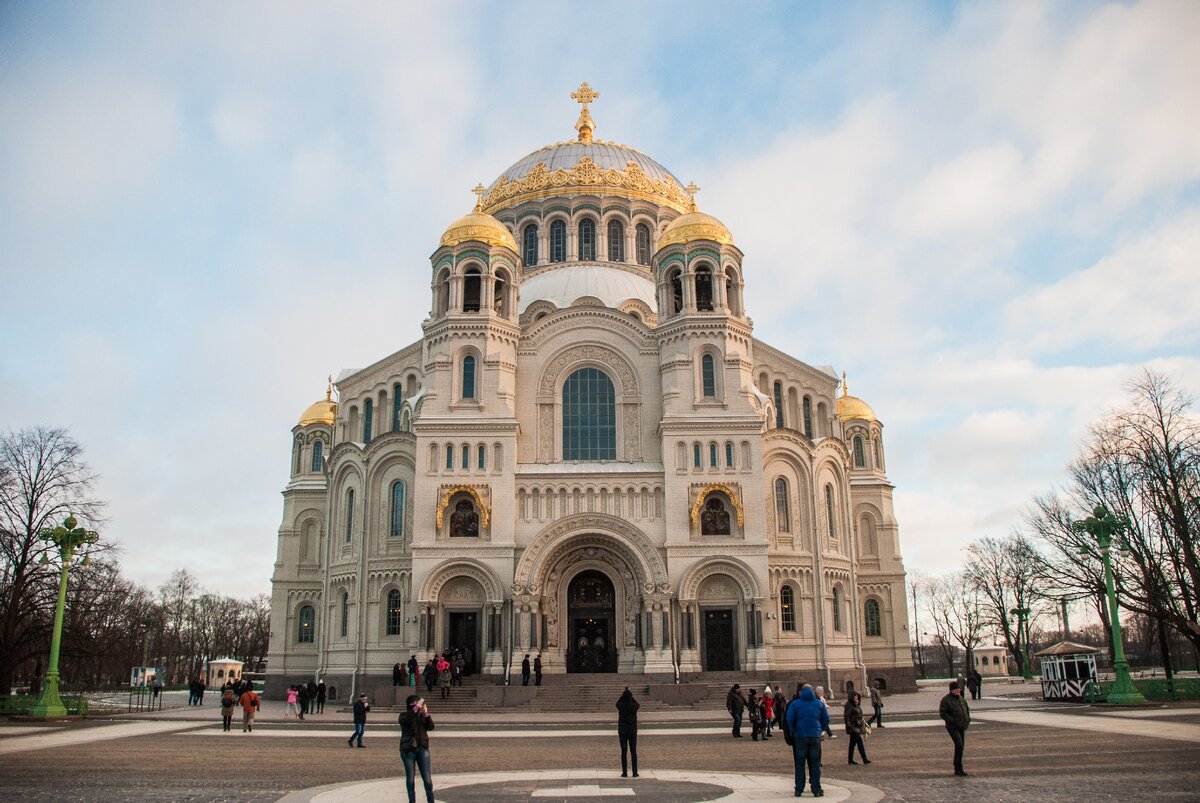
(322, 412)
(851, 407)
(695, 225)
(478, 227)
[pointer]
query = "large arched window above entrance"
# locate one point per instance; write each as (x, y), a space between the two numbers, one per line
(394, 612)
(558, 241)
(306, 625)
(531, 245)
(616, 241)
(587, 239)
(871, 618)
(787, 609)
(589, 415)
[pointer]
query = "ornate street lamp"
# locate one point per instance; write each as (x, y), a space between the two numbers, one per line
(1022, 615)
(67, 538)
(1105, 527)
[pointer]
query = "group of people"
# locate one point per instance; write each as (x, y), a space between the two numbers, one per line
(235, 694)
(537, 670)
(196, 691)
(805, 721)
(443, 671)
(305, 698)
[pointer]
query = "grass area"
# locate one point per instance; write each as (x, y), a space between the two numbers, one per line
(19, 704)
(1157, 689)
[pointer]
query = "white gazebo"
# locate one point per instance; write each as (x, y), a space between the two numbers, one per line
(991, 661)
(223, 670)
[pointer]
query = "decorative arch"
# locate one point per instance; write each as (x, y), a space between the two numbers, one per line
(567, 360)
(596, 529)
(718, 487)
(706, 568)
(449, 493)
(462, 567)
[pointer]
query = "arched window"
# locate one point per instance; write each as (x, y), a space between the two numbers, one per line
(443, 292)
(306, 625)
(837, 608)
(349, 515)
(712, 455)
(397, 529)
(783, 506)
(317, 458)
(500, 294)
(466, 456)
(345, 613)
(643, 244)
(558, 241)
(449, 456)
(472, 290)
(860, 458)
(616, 241)
(808, 430)
(878, 454)
(394, 619)
(708, 376)
(299, 456)
(397, 400)
(368, 419)
(589, 416)
(531, 245)
(696, 455)
(676, 281)
(468, 377)
(871, 618)
(778, 405)
(729, 454)
(482, 463)
(732, 298)
(704, 289)
(830, 521)
(787, 609)
(587, 239)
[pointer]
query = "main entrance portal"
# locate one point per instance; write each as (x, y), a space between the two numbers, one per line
(718, 640)
(464, 634)
(591, 611)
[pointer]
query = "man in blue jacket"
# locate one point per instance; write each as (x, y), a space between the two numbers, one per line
(807, 719)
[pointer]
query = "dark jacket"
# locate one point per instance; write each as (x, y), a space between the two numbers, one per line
(525, 668)
(852, 716)
(735, 703)
(321, 692)
(806, 717)
(955, 711)
(411, 724)
(627, 708)
(361, 707)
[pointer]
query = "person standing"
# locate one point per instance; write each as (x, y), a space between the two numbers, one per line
(292, 695)
(415, 724)
(975, 683)
(458, 667)
(754, 712)
(820, 692)
(397, 675)
(413, 666)
(227, 705)
(627, 707)
(768, 705)
(537, 670)
(302, 698)
(780, 706)
(361, 707)
(852, 716)
(430, 674)
(249, 702)
(807, 719)
(321, 691)
(443, 668)
(525, 670)
(735, 704)
(955, 712)
(877, 704)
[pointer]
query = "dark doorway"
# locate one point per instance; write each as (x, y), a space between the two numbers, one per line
(464, 635)
(591, 607)
(718, 640)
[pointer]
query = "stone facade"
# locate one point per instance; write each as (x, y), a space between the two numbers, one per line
(589, 456)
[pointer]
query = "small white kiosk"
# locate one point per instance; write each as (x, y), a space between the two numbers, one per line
(222, 671)
(1067, 669)
(991, 661)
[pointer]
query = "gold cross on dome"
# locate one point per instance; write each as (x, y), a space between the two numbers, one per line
(691, 189)
(479, 190)
(584, 95)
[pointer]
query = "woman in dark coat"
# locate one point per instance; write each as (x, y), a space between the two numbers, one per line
(852, 715)
(627, 708)
(415, 724)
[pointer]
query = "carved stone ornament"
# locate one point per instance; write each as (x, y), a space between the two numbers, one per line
(447, 572)
(588, 176)
(720, 487)
(578, 530)
(444, 502)
(596, 354)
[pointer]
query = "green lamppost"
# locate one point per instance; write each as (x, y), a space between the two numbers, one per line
(1104, 527)
(67, 538)
(1022, 615)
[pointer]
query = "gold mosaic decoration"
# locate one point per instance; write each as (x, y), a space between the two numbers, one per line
(729, 491)
(467, 489)
(586, 176)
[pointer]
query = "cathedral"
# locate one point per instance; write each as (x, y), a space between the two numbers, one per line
(589, 456)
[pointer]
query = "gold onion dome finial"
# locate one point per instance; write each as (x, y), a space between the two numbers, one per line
(695, 225)
(322, 412)
(479, 227)
(585, 125)
(849, 407)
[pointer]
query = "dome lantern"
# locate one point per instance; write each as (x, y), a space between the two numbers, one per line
(323, 412)
(478, 226)
(851, 407)
(695, 225)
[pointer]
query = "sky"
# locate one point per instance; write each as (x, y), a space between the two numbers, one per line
(988, 214)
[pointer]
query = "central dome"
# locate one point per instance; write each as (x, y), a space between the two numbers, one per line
(565, 285)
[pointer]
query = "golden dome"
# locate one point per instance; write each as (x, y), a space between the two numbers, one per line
(481, 228)
(851, 407)
(695, 225)
(322, 412)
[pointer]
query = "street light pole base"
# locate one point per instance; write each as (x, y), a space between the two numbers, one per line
(48, 705)
(1123, 691)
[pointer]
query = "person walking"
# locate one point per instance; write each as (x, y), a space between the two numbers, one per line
(249, 703)
(228, 702)
(361, 707)
(852, 716)
(537, 670)
(627, 707)
(443, 668)
(525, 670)
(430, 673)
(415, 724)
(321, 692)
(458, 667)
(735, 704)
(955, 712)
(397, 675)
(807, 719)
(780, 706)
(877, 704)
(768, 705)
(975, 683)
(820, 692)
(754, 712)
(302, 698)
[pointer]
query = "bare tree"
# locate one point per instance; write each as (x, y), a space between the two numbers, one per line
(956, 608)
(43, 479)
(1007, 574)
